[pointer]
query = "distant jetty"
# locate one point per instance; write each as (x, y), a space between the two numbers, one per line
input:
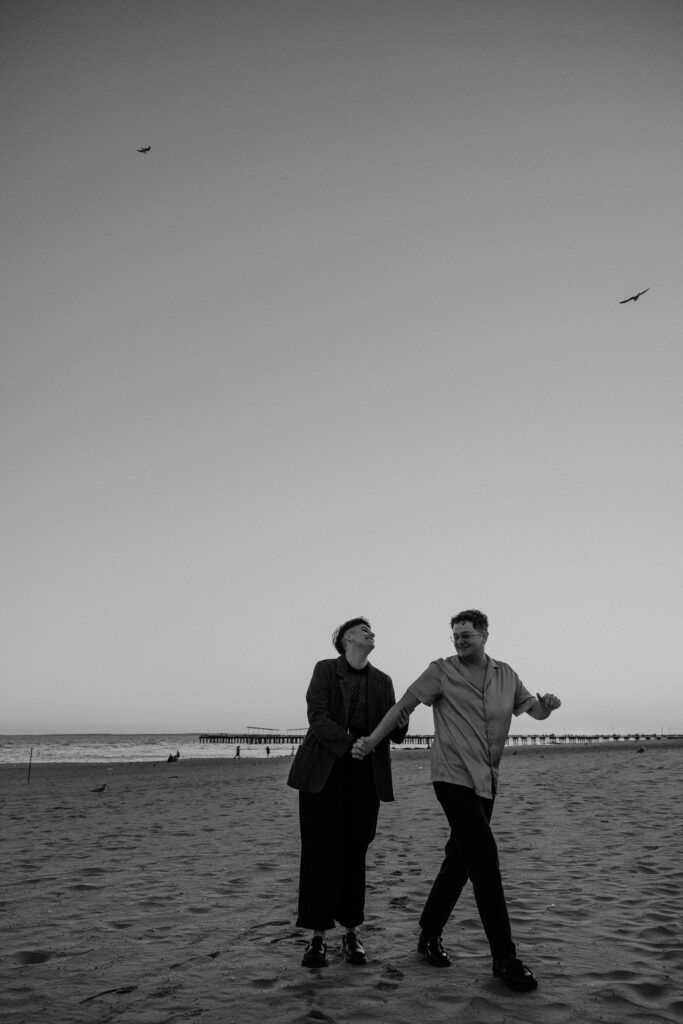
(292, 737)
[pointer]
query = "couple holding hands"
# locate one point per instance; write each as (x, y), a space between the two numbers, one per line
(353, 713)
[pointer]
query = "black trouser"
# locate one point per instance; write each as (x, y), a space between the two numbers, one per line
(337, 826)
(471, 852)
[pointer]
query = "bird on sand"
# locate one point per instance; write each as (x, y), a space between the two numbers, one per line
(99, 789)
(634, 298)
(144, 149)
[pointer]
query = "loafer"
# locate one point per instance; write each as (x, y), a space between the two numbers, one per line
(513, 973)
(315, 954)
(432, 950)
(352, 949)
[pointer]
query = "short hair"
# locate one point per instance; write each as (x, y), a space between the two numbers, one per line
(477, 618)
(340, 631)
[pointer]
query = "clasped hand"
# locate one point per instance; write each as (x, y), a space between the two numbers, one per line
(360, 749)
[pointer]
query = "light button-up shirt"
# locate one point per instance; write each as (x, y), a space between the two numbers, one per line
(471, 723)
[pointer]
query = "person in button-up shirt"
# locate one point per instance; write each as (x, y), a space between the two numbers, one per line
(473, 698)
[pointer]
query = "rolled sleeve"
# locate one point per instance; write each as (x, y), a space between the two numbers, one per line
(523, 699)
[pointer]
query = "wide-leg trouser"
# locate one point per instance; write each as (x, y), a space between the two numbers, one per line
(471, 852)
(337, 826)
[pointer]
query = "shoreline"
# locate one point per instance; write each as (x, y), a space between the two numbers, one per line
(397, 754)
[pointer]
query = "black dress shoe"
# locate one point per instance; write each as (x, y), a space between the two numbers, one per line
(352, 948)
(316, 953)
(513, 973)
(432, 950)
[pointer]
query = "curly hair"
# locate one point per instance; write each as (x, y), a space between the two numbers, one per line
(340, 631)
(477, 618)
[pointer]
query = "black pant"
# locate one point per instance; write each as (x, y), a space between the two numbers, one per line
(471, 852)
(337, 826)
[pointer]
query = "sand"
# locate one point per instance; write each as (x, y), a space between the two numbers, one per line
(171, 895)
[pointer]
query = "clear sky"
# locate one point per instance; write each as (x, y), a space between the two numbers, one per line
(348, 340)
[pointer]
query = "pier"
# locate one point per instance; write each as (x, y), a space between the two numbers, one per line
(285, 738)
(292, 737)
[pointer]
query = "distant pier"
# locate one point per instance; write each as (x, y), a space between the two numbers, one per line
(284, 738)
(275, 737)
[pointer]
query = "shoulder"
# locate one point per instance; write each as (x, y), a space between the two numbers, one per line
(506, 674)
(324, 673)
(504, 668)
(377, 676)
(437, 669)
(326, 667)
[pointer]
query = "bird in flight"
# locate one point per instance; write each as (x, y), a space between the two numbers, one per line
(99, 789)
(145, 149)
(634, 298)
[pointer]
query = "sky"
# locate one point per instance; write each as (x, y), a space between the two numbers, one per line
(348, 341)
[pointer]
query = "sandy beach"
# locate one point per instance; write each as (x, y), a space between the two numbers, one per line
(171, 895)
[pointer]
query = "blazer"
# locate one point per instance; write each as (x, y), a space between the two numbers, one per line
(328, 738)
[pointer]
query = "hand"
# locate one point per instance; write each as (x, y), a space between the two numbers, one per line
(403, 718)
(549, 702)
(360, 748)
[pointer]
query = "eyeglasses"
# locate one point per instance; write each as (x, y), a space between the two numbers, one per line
(465, 636)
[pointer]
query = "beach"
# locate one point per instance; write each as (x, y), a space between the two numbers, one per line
(170, 895)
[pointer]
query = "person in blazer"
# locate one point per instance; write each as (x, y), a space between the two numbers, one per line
(339, 796)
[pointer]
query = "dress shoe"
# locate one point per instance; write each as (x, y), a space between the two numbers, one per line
(316, 953)
(432, 950)
(513, 973)
(352, 948)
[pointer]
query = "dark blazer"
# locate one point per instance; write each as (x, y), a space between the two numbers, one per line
(327, 739)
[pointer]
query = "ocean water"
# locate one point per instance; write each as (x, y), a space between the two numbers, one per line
(101, 748)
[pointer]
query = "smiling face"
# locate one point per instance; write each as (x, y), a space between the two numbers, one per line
(361, 636)
(469, 642)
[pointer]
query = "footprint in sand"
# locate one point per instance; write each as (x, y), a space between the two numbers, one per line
(32, 956)
(390, 980)
(398, 901)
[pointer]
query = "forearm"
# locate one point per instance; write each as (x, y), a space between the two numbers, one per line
(389, 723)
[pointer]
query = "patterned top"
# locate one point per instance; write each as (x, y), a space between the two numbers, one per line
(358, 715)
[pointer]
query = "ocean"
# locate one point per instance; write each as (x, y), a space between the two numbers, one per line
(103, 748)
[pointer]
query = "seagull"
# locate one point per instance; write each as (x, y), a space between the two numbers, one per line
(99, 789)
(634, 298)
(145, 149)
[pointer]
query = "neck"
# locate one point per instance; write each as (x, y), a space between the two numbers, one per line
(474, 661)
(356, 659)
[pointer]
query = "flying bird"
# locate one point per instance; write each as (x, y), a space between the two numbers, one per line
(99, 789)
(634, 298)
(144, 149)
